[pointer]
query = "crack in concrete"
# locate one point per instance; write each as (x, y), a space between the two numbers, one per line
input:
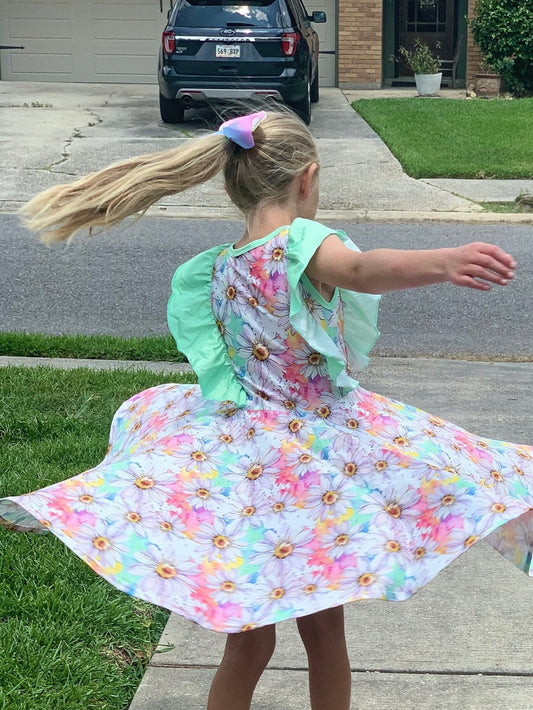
(446, 189)
(48, 168)
(449, 191)
(384, 671)
(76, 133)
(97, 118)
(363, 161)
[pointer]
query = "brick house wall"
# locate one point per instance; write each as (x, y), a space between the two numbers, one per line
(359, 43)
(473, 52)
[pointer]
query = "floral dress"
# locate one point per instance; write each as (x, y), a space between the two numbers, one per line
(278, 487)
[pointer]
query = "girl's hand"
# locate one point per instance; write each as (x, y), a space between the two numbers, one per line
(472, 265)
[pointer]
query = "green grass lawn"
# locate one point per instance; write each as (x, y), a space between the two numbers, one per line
(98, 347)
(68, 639)
(455, 138)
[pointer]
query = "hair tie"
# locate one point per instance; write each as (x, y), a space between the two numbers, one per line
(240, 129)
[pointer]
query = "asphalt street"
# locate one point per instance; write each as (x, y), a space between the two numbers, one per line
(118, 283)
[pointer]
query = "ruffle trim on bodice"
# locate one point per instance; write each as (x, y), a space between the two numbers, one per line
(191, 320)
(360, 310)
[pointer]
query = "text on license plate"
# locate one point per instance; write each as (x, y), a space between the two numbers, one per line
(227, 50)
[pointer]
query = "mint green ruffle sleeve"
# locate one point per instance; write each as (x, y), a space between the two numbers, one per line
(360, 309)
(193, 326)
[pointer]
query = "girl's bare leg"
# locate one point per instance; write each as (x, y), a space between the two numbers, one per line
(329, 667)
(245, 658)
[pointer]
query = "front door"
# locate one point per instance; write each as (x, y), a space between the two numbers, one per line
(430, 20)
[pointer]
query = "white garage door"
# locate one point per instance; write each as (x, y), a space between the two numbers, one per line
(81, 40)
(107, 41)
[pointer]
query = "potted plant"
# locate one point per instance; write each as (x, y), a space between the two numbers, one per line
(487, 82)
(425, 65)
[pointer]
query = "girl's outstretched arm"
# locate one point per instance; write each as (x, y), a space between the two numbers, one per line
(475, 265)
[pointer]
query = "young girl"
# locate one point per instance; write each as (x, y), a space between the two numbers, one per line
(277, 488)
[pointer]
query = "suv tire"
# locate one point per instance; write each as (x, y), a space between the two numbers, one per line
(314, 90)
(303, 107)
(171, 110)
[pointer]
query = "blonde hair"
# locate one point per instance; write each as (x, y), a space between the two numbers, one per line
(261, 175)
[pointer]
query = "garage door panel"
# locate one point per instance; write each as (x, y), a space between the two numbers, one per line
(111, 29)
(128, 47)
(122, 7)
(31, 6)
(137, 8)
(35, 10)
(53, 64)
(108, 65)
(42, 47)
(56, 28)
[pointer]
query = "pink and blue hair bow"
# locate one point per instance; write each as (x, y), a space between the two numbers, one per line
(240, 130)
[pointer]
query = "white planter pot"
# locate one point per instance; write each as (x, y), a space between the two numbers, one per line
(428, 84)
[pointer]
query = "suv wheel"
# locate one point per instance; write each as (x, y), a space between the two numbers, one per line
(314, 90)
(303, 107)
(171, 110)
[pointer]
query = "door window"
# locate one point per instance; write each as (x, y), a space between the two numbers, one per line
(426, 16)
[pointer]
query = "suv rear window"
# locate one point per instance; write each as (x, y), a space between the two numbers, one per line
(220, 13)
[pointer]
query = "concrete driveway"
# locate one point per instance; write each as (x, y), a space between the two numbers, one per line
(56, 132)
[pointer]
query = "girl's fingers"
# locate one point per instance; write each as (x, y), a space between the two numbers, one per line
(498, 255)
(480, 265)
(498, 267)
(480, 272)
(471, 282)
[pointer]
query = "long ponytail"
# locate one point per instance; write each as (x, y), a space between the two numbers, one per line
(130, 187)
(283, 149)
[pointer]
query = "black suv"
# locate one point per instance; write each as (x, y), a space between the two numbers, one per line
(218, 50)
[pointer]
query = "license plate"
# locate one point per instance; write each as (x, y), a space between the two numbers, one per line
(227, 50)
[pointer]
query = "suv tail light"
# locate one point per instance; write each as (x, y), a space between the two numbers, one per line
(289, 41)
(169, 42)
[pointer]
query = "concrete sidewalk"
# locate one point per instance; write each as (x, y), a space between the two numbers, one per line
(461, 643)
(57, 132)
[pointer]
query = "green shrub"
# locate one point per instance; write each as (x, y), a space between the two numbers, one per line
(503, 30)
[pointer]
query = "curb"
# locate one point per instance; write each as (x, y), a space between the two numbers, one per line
(70, 363)
(346, 215)
(60, 363)
(355, 215)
